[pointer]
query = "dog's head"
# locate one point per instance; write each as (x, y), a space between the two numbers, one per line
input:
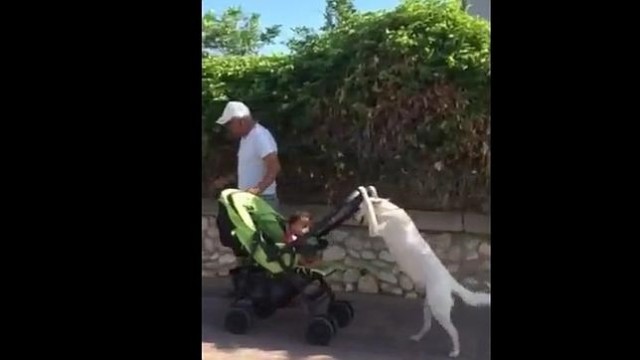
(370, 193)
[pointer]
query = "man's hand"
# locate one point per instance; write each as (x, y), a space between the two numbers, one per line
(273, 168)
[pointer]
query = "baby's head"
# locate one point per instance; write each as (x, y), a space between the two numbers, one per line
(299, 223)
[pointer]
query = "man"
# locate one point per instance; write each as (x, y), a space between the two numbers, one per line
(258, 163)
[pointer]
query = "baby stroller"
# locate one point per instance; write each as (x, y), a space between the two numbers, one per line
(269, 277)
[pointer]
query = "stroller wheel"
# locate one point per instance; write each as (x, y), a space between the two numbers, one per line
(334, 323)
(237, 321)
(342, 311)
(320, 331)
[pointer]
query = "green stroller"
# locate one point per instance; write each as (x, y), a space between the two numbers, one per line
(269, 277)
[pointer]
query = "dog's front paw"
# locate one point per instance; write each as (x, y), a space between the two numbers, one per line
(454, 353)
(416, 337)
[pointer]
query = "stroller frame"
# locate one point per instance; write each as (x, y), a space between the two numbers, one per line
(268, 277)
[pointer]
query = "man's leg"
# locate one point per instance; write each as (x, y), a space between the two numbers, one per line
(272, 200)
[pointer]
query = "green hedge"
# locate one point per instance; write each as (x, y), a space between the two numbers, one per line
(400, 99)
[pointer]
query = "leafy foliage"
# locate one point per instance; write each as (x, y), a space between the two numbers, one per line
(234, 33)
(336, 12)
(399, 98)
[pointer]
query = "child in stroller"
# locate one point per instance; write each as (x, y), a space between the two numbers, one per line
(297, 226)
(272, 275)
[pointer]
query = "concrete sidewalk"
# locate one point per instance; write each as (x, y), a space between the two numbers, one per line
(380, 331)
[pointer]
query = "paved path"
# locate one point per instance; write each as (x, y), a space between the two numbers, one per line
(380, 331)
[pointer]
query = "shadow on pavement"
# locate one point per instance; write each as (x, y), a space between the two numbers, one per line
(380, 330)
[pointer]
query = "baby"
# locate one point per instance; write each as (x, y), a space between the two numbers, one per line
(298, 225)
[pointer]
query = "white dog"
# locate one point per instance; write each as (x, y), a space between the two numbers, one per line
(414, 257)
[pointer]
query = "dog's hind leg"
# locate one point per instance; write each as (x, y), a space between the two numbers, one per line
(426, 322)
(445, 320)
(443, 316)
(441, 303)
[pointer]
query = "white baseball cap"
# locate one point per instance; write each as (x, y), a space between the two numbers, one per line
(232, 110)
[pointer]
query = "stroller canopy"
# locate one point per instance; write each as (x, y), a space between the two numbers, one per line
(249, 226)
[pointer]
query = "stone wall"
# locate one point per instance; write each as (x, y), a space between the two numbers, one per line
(365, 265)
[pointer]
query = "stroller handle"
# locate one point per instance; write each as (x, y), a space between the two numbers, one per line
(334, 219)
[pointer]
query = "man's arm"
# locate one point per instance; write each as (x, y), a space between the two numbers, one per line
(272, 165)
(268, 151)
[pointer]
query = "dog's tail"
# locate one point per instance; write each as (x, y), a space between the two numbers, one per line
(470, 297)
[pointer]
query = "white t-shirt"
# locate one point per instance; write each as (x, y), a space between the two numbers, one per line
(251, 167)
